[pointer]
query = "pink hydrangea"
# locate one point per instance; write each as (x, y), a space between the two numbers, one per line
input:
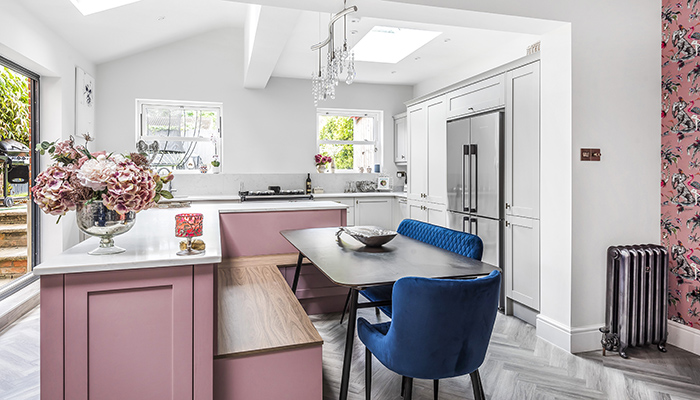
(53, 190)
(67, 149)
(130, 188)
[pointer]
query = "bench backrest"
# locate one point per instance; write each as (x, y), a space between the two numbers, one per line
(458, 242)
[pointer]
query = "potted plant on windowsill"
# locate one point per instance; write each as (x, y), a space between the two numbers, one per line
(321, 161)
(106, 190)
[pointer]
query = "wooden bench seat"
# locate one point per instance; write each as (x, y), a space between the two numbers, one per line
(257, 310)
(267, 348)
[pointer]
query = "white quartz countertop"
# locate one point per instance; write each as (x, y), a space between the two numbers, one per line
(317, 196)
(152, 242)
(358, 194)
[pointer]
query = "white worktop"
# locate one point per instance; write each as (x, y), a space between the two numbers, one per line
(318, 196)
(359, 194)
(152, 242)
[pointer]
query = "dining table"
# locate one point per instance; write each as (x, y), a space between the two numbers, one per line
(347, 262)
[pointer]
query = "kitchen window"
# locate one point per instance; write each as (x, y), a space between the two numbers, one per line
(180, 136)
(350, 137)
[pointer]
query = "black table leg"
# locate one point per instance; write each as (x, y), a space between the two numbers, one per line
(349, 338)
(296, 273)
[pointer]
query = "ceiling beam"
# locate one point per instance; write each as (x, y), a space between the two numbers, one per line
(266, 32)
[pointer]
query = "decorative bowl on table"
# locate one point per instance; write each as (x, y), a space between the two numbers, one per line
(370, 236)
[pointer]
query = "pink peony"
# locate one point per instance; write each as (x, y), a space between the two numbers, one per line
(95, 172)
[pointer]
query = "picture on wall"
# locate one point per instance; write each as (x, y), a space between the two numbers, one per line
(84, 104)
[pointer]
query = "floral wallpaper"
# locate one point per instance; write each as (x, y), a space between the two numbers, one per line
(680, 156)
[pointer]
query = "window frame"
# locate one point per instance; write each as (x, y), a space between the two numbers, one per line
(196, 105)
(378, 117)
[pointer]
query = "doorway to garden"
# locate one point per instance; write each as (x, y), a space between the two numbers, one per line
(19, 117)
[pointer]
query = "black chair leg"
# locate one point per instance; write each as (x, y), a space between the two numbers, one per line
(436, 383)
(345, 308)
(403, 385)
(408, 388)
(476, 385)
(368, 374)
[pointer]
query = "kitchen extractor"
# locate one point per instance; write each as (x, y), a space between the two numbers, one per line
(475, 181)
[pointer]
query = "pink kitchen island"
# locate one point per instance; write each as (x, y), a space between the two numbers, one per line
(149, 324)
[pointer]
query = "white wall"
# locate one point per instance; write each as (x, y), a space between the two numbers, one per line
(601, 89)
(265, 131)
(25, 41)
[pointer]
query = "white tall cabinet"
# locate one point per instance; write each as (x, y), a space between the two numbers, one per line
(522, 190)
(427, 167)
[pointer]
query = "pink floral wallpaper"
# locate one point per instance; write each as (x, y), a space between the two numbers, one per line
(680, 156)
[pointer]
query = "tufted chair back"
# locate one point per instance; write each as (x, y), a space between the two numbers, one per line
(462, 243)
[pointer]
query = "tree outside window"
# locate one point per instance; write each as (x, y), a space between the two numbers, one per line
(349, 136)
(14, 106)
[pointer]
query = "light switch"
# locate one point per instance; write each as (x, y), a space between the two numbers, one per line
(590, 154)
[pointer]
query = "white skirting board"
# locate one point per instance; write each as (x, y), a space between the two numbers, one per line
(583, 339)
(684, 337)
(573, 340)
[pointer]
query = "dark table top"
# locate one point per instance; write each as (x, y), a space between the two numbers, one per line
(347, 262)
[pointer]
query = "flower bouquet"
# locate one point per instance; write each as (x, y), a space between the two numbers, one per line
(122, 183)
(107, 190)
(321, 161)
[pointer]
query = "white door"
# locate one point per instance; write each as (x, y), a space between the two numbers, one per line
(437, 151)
(374, 212)
(522, 260)
(417, 210)
(522, 152)
(417, 151)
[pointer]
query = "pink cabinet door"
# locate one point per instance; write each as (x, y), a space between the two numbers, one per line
(128, 334)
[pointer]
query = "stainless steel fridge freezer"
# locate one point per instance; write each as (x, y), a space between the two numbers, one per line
(475, 182)
(474, 157)
(489, 230)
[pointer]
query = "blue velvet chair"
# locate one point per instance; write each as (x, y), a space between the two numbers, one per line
(440, 329)
(458, 242)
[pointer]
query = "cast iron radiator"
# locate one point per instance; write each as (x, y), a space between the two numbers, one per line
(636, 304)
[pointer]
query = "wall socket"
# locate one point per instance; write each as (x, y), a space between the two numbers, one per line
(590, 154)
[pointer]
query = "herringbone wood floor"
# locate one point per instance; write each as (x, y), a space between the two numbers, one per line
(520, 366)
(517, 366)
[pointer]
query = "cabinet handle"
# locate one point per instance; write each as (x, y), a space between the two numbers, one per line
(403, 157)
(507, 206)
(470, 109)
(507, 224)
(357, 201)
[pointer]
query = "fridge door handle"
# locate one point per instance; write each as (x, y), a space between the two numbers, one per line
(474, 172)
(466, 178)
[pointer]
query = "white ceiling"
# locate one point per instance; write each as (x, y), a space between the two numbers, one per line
(146, 24)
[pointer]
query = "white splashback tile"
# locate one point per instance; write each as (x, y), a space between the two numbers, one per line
(230, 184)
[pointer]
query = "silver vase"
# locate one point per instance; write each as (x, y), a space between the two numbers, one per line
(97, 220)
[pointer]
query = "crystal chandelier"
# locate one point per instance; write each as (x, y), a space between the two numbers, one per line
(338, 60)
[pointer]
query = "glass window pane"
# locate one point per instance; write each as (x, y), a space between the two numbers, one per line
(180, 122)
(336, 128)
(350, 157)
(183, 155)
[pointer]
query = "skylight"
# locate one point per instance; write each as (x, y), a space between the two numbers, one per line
(385, 44)
(87, 7)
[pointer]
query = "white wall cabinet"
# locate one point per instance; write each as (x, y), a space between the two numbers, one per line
(374, 212)
(427, 167)
(522, 260)
(401, 139)
(522, 141)
(477, 97)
